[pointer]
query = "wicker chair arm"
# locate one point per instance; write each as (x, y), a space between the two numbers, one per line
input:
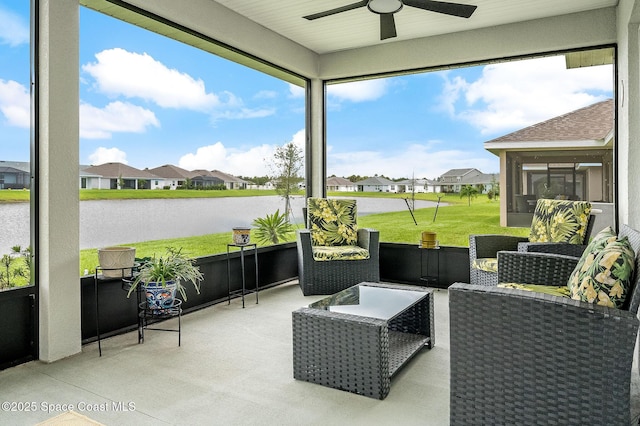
(516, 356)
(556, 248)
(535, 268)
(369, 239)
(483, 246)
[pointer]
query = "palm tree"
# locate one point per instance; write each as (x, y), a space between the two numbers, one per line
(468, 191)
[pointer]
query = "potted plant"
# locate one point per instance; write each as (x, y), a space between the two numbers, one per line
(162, 276)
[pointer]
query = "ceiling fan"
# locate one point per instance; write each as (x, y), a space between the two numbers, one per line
(386, 9)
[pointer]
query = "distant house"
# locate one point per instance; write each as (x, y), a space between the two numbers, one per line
(376, 184)
(419, 186)
(567, 157)
(230, 181)
(117, 176)
(484, 182)
(340, 184)
(205, 179)
(172, 176)
(15, 175)
(454, 179)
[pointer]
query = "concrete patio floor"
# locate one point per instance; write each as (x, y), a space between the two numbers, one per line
(234, 368)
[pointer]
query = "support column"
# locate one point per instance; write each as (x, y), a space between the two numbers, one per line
(58, 255)
(316, 149)
(628, 113)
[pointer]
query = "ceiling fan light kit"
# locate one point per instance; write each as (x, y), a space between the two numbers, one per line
(386, 9)
(384, 6)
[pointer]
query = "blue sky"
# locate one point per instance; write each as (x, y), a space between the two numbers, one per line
(146, 100)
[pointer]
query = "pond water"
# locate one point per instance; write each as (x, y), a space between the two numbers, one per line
(111, 222)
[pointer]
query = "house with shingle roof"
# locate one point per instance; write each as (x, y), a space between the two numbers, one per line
(15, 175)
(419, 185)
(336, 183)
(565, 157)
(454, 179)
(117, 176)
(172, 176)
(230, 181)
(204, 178)
(376, 184)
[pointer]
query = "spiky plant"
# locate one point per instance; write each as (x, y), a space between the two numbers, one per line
(174, 266)
(272, 228)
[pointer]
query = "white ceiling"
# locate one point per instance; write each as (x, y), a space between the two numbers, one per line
(360, 27)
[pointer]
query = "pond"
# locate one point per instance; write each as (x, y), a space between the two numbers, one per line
(112, 222)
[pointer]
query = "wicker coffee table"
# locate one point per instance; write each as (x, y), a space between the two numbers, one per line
(357, 339)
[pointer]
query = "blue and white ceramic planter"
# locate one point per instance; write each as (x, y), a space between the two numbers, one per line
(160, 297)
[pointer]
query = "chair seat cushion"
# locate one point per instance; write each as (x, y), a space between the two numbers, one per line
(323, 253)
(562, 291)
(604, 272)
(333, 222)
(487, 264)
(560, 221)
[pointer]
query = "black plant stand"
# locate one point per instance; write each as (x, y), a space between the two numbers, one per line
(255, 257)
(125, 274)
(430, 265)
(148, 316)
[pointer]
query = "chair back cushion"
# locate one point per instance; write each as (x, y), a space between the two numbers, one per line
(604, 272)
(560, 221)
(332, 222)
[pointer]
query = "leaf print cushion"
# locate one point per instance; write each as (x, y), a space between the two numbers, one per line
(487, 264)
(598, 242)
(553, 290)
(324, 253)
(604, 278)
(560, 221)
(333, 222)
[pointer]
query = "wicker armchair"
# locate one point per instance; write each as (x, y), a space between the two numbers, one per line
(521, 357)
(323, 277)
(486, 247)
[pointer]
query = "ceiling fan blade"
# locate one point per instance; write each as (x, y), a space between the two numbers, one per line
(337, 10)
(387, 26)
(454, 9)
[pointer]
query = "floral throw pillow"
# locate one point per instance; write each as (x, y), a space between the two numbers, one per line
(596, 245)
(332, 221)
(603, 275)
(560, 221)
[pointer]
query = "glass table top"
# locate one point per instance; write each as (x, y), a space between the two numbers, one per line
(368, 301)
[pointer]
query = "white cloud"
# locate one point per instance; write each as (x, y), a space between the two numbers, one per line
(97, 123)
(14, 31)
(252, 162)
(517, 94)
(107, 155)
(419, 160)
(119, 72)
(266, 94)
(358, 91)
(15, 103)
(233, 108)
(296, 91)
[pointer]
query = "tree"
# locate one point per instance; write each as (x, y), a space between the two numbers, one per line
(285, 168)
(468, 191)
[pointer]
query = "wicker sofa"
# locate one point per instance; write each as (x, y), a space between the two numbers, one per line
(521, 357)
(486, 247)
(319, 273)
